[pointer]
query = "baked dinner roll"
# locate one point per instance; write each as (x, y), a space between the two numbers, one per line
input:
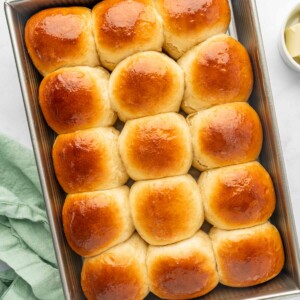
(184, 270)
(61, 37)
(223, 135)
(156, 147)
(189, 22)
(246, 257)
(76, 98)
(96, 221)
(166, 210)
(124, 27)
(88, 160)
(217, 71)
(118, 273)
(237, 196)
(145, 84)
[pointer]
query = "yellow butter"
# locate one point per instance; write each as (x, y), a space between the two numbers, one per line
(292, 40)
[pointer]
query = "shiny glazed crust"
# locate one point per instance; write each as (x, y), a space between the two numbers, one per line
(119, 34)
(88, 160)
(166, 210)
(75, 99)
(184, 270)
(248, 257)
(95, 221)
(120, 270)
(144, 84)
(237, 196)
(61, 37)
(156, 146)
(190, 22)
(217, 71)
(224, 135)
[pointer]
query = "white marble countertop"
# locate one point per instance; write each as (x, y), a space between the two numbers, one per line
(285, 85)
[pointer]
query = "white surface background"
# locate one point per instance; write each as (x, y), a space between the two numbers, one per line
(285, 85)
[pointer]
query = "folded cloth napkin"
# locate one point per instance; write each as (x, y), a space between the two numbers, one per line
(25, 241)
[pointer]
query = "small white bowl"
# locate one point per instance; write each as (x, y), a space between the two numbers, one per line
(292, 18)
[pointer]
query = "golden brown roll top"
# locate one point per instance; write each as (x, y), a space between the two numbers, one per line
(237, 196)
(156, 146)
(217, 71)
(144, 84)
(88, 160)
(118, 273)
(76, 98)
(61, 37)
(189, 22)
(184, 270)
(122, 28)
(96, 221)
(166, 210)
(225, 135)
(247, 257)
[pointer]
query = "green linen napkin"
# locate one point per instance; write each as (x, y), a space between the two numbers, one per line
(25, 241)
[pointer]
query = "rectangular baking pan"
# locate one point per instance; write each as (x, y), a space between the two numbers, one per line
(245, 27)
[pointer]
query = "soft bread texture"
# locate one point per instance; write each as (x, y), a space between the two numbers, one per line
(224, 135)
(166, 210)
(190, 22)
(144, 84)
(217, 71)
(125, 27)
(76, 98)
(247, 257)
(88, 160)
(184, 270)
(96, 221)
(156, 147)
(61, 37)
(118, 273)
(237, 196)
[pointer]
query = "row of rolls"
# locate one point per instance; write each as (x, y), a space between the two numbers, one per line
(115, 29)
(218, 71)
(187, 269)
(155, 234)
(168, 210)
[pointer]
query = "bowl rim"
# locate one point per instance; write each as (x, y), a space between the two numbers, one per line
(282, 36)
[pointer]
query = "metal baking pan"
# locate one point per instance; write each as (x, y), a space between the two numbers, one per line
(245, 27)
